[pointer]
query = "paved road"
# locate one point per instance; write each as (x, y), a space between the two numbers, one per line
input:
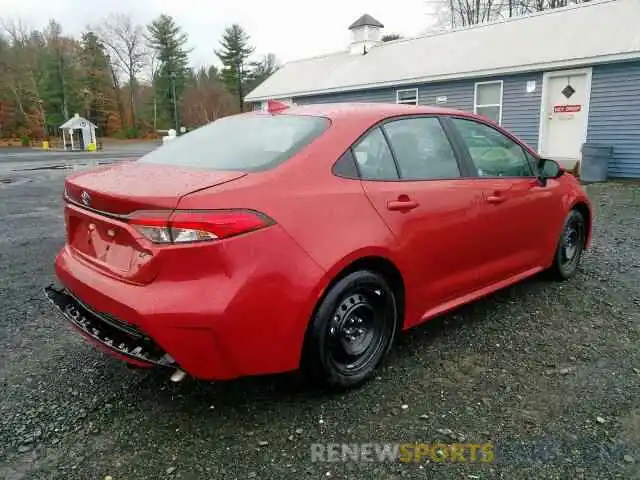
(15, 159)
(548, 372)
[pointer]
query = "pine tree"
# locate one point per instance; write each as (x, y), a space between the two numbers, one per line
(168, 41)
(96, 80)
(235, 51)
(59, 82)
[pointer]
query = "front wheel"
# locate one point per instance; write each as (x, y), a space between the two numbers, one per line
(570, 246)
(352, 330)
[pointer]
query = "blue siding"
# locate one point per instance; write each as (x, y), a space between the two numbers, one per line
(520, 110)
(614, 115)
(459, 94)
(382, 95)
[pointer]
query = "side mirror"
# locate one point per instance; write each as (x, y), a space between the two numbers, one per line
(549, 169)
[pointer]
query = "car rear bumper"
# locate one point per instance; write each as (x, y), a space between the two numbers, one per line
(117, 338)
(218, 313)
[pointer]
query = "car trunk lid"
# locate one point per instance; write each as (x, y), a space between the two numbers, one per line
(124, 188)
(100, 202)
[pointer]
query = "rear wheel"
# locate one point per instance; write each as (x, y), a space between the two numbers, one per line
(570, 246)
(352, 330)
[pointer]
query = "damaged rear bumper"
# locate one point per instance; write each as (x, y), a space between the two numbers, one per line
(118, 338)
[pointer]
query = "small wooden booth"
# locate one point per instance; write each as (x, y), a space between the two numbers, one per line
(78, 133)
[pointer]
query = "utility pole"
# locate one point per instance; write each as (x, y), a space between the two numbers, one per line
(239, 75)
(510, 8)
(172, 76)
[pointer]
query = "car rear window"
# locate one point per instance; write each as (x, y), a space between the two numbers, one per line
(252, 142)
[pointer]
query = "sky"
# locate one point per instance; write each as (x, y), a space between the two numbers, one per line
(291, 29)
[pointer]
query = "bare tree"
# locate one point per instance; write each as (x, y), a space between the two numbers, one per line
(125, 41)
(462, 13)
(540, 5)
(449, 14)
(472, 12)
(19, 67)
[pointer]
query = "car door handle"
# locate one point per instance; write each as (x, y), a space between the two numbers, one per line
(402, 205)
(496, 198)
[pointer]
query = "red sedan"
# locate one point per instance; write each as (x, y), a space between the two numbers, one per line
(308, 238)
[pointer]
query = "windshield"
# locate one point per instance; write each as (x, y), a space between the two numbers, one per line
(241, 142)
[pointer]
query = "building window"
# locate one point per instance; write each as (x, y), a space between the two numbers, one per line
(488, 100)
(407, 96)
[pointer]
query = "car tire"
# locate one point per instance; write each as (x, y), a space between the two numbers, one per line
(570, 246)
(351, 331)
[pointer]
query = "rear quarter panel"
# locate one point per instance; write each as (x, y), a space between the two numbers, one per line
(330, 218)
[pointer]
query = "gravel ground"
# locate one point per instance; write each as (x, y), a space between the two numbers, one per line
(547, 372)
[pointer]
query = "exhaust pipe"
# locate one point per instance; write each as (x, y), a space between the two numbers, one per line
(178, 375)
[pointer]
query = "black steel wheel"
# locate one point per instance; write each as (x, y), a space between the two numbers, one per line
(570, 246)
(352, 330)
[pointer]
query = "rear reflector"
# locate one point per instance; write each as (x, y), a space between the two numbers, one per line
(183, 226)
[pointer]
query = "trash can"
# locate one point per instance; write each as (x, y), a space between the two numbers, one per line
(594, 165)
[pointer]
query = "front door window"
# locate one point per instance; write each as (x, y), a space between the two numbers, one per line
(492, 153)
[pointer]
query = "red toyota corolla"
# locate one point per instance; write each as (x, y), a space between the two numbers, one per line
(308, 237)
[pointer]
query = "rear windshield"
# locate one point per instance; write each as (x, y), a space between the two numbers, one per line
(241, 142)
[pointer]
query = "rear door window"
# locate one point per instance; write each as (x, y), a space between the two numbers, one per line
(374, 158)
(422, 149)
(246, 143)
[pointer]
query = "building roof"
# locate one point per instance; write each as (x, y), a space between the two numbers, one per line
(593, 32)
(76, 122)
(365, 20)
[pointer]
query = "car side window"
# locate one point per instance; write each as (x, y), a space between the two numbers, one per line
(492, 153)
(422, 149)
(374, 158)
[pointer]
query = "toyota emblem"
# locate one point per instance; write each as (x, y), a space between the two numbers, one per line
(85, 197)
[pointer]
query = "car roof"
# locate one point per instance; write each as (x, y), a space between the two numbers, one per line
(368, 111)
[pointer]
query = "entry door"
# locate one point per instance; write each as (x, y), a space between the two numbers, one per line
(564, 114)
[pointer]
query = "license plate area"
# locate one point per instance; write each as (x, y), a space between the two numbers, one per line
(109, 244)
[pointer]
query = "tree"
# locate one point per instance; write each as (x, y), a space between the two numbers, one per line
(168, 42)
(260, 71)
(462, 13)
(473, 12)
(234, 53)
(125, 42)
(60, 83)
(390, 37)
(205, 99)
(22, 58)
(540, 5)
(96, 80)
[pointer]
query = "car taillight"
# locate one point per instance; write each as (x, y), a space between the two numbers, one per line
(196, 226)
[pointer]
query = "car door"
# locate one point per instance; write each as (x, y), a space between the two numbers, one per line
(412, 176)
(515, 203)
